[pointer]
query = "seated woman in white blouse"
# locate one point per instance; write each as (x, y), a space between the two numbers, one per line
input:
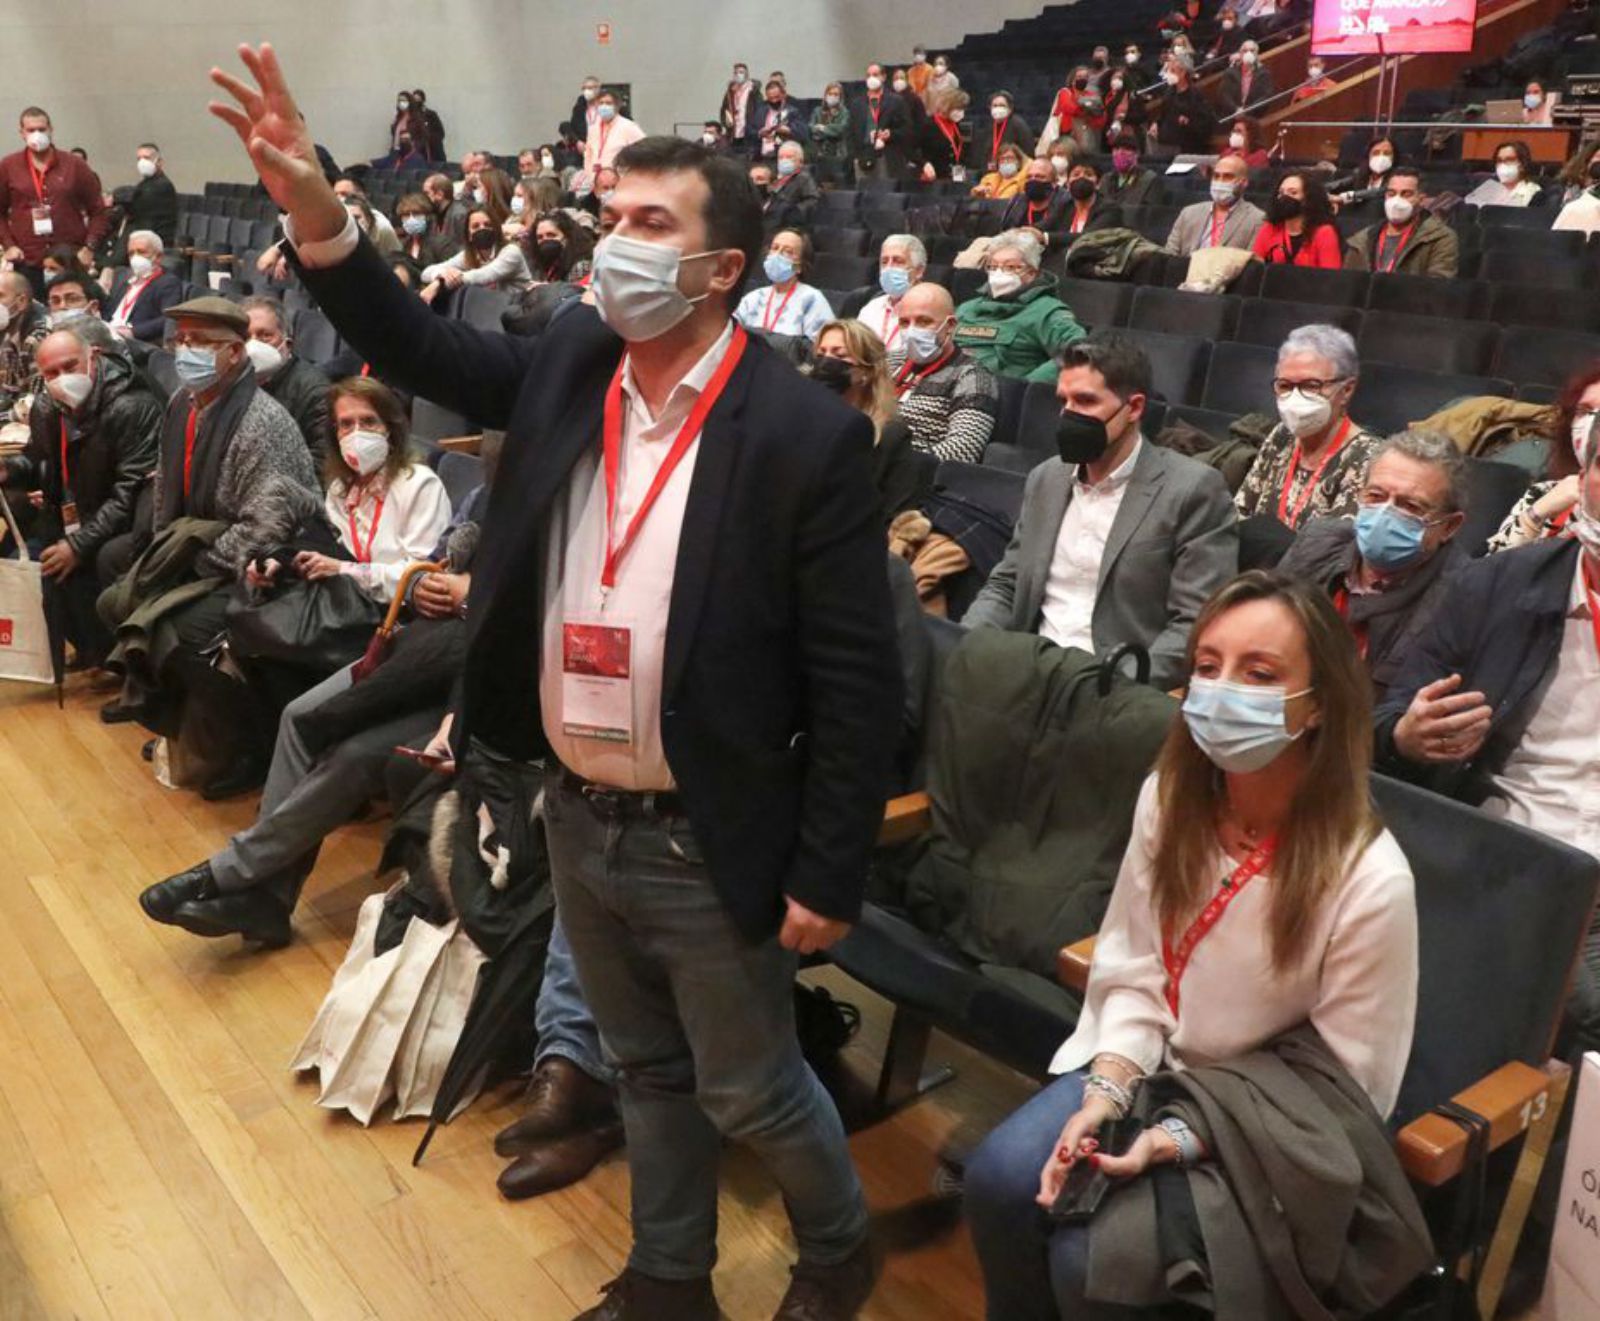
(1513, 183)
(388, 511)
(1265, 777)
(787, 306)
(489, 258)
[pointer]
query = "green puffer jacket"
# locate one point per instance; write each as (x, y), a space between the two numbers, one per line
(1020, 334)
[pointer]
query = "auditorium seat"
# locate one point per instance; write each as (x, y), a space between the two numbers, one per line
(1269, 320)
(1519, 266)
(1036, 431)
(1516, 217)
(835, 270)
(966, 283)
(1307, 284)
(1389, 398)
(1435, 344)
(1099, 304)
(1492, 488)
(1177, 363)
(1239, 380)
(1539, 305)
(836, 238)
(1552, 242)
(315, 339)
(1174, 312)
(1537, 355)
(1214, 424)
(1008, 419)
(431, 421)
(1423, 295)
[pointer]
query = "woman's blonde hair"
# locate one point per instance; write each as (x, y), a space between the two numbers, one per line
(1330, 818)
(386, 405)
(868, 350)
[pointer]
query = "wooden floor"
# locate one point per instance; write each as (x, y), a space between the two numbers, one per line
(157, 1159)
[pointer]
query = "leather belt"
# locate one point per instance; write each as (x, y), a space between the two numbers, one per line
(605, 801)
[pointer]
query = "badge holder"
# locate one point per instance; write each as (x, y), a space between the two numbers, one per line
(597, 680)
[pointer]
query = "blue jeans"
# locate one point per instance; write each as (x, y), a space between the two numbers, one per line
(562, 1017)
(1033, 1269)
(700, 1025)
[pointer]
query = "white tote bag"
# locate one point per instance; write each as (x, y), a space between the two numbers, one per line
(24, 639)
(435, 1028)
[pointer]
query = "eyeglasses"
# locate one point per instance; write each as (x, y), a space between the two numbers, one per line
(1404, 503)
(186, 339)
(1281, 387)
(1008, 268)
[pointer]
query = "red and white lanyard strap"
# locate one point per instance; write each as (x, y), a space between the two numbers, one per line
(770, 315)
(612, 455)
(1176, 958)
(365, 556)
(912, 375)
(1291, 517)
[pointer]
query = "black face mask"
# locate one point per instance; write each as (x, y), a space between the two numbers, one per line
(1081, 437)
(1037, 190)
(1078, 84)
(1285, 208)
(1081, 189)
(835, 373)
(549, 251)
(482, 240)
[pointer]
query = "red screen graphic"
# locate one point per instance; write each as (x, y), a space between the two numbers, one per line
(1392, 27)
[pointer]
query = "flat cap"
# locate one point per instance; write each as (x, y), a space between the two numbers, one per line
(217, 310)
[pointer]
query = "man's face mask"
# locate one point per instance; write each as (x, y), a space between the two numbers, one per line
(636, 286)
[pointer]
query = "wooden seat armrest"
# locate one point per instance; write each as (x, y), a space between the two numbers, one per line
(461, 444)
(1072, 965)
(904, 818)
(1433, 1149)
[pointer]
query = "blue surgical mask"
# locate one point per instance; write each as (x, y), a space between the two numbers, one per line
(787, 166)
(1224, 194)
(1389, 538)
(922, 343)
(779, 269)
(894, 280)
(1240, 727)
(416, 226)
(196, 367)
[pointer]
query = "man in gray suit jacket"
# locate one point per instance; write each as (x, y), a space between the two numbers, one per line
(1119, 540)
(1226, 221)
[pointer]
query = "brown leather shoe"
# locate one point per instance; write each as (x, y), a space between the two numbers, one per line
(830, 1293)
(556, 1164)
(562, 1099)
(635, 1297)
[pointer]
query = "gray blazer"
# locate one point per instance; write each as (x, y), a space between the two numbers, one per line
(1192, 228)
(1173, 542)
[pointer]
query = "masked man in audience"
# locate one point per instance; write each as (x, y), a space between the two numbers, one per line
(448, 222)
(1122, 541)
(154, 205)
(949, 402)
(23, 324)
(73, 299)
(1313, 462)
(93, 433)
(299, 386)
(1498, 703)
(902, 262)
(141, 295)
(1226, 221)
(1386, 569)
(47, 197)
(1409, 241)
(792, 196)
(740, 816)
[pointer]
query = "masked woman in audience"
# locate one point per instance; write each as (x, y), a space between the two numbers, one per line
(787, 306)
(1360, 193)
(1244, 139)
(947, 140)
(1079, 112)
(558, 250)
(1580, 174)
(1546, 507)
(1538, 105)
(1300, 229)
(1258, 894)
(419, 244)
(853, 362)
(488, 259)
(830, 139)
(1513, 183)
(61, 260)
(1006, 180)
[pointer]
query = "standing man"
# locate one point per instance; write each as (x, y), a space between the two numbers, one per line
(155, 200)
(886, 141)
(608, 135)
(717, 692)
(47, 197)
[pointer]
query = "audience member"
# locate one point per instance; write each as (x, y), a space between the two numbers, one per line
(1316, 81)
(1226, 221)
(585, 111)
(777, 122)
(610, 132)
(1538, 105)
(1139, 74)
(886, 142)
(1126, 111)
(1061, 154)
(74, 298)
(1229, 35)
(1088, 209)
(381, 232)
(1122, 541)
(448, 221)
(432, 124)
(1579, 175)
(1127, 182)
(919, 73)
(62, 259)
(832, 138)
(791, 200)
(1246, 84)
(1331, 942)
(947, 144)
(1312, 463)
(1018, 325)
(949, 402)
(902, 262)
(408, 134)
(1385, 570)
(741, 104)
(300, 387)
(47, 197)
(420, 241)
(1186, 120)
(1545, 508)
(1408, 241)
(1513, 183)
(560, 251)
(1006, 179)
(154, 204)
(140, 296)
(93, 433)
(942, 84)
(1244, 139)
(1361, 193)
(787, 306)
(1006, 129)
(1299, 230)
(851, 361)
(23, 324)
(488, 259)
(1079, 112)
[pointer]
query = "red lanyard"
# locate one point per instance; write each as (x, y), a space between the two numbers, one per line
(366, 369)
(1033, 213)
(38, 179)
(875, 107)
(769, 318)
(188, 449)
(1219, 218)
(1291, 517)
(1079, 220)
(125, 307)
(952, 134)
(1341, 603)
(612, 440)
(365, 556)
(994, 142)
(891, 324)
(66, 476)
(911, 375)
(1177, 960)
(1594, 603)
(605, 132)
(1394, 256)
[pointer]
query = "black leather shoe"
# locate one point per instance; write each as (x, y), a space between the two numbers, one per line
(115, 713)
(830, 1293)
(236, 780)
(161, 900)
(635, 1297)
(253, 914)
